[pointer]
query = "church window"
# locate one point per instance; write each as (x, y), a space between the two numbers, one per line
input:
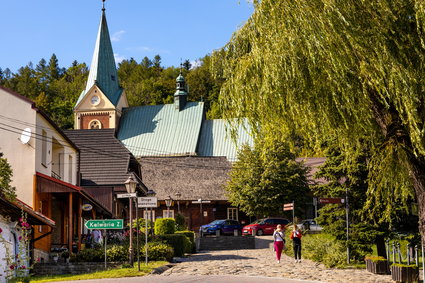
(95, 124)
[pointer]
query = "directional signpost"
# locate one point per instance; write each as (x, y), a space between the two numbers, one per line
(129, 195)
(331, 200)
(105, 224)
(146, 202)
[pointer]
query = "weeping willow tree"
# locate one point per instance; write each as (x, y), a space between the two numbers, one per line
(352, 70)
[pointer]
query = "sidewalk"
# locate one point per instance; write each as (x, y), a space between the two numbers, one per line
(261, 262)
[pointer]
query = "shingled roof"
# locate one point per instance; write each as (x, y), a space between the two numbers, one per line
(193, 177)
(103, 159)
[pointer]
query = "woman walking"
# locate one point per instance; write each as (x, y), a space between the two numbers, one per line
(279, 241)
(296, 242)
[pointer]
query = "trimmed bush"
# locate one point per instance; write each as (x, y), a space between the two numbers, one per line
(117, 253)
(88, 255)
(179, 242)
(165, 226)
(158, 251)
(191, 236)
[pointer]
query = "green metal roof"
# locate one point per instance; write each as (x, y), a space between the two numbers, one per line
(216, 139)
(103, 71)
(159, 130)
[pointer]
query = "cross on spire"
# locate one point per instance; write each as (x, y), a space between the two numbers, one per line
(103, 5)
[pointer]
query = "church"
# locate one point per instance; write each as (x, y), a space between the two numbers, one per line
(185, 158)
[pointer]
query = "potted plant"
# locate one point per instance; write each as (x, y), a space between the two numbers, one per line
(404, 272)
(377, 265)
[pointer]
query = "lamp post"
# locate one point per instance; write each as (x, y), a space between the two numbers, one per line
(178, 195)
(130, 186)
(168, 201)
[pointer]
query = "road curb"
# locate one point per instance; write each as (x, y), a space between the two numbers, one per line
(161, 269)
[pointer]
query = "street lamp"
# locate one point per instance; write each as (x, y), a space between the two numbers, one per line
(130, 186)
(168, 202)
(178, 195)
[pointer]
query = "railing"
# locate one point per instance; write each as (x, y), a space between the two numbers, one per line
(394, 252)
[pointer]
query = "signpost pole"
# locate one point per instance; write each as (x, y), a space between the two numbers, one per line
(131, 234)
(105, 239)
(137, 237)
(346, 220)
(146, 237)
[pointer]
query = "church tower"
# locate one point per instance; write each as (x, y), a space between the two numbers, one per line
(100, 104)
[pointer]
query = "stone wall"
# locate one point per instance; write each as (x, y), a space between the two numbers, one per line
(226, 243)
(70, 268)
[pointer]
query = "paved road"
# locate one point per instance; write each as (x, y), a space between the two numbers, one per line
(256, 265)
(195, 278)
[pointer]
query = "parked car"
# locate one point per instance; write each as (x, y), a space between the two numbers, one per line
(310, 225)
(265, 226)
(224, 226)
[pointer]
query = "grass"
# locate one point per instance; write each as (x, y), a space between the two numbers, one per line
(110, 273)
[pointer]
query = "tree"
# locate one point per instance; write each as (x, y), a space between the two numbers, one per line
(266, 177)
(6, 174)
(349, 69)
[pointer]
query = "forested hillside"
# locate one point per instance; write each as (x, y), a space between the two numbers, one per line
(56, 89)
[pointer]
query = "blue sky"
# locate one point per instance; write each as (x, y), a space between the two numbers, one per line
(187, 29)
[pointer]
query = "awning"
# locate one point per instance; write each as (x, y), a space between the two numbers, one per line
(14, 211)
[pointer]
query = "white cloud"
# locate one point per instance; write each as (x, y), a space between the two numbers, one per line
(118, 58)
(117, 36)
(195, 64)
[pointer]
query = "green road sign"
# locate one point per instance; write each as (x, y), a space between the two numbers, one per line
(105, 224)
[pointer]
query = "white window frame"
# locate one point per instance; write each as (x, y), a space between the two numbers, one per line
(147, 214)
(232, 213)
(164, 213)
(44, 148)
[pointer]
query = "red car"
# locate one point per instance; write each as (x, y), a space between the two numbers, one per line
(265, 226)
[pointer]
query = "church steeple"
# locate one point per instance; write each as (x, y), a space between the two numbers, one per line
(103, 71)
(100, 104)
(180, 96)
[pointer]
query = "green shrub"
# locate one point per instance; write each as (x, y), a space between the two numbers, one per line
(117, 253)
(179, 242)
(165, 226)
(321, 248)
(88, 255)
(191, 236)
(180, 222)
(158, 251)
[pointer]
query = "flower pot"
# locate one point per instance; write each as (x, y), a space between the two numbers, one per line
(407, 273)
(377, 267)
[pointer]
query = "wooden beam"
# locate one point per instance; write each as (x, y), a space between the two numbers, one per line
(70, 222)
(79, 221)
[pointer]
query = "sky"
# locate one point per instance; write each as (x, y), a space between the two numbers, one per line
(185, 29)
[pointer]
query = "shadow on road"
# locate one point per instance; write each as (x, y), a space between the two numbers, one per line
(205, 256)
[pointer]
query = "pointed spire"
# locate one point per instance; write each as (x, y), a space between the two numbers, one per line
(103, 71)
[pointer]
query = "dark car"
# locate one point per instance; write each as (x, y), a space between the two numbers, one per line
(265, 226)
(310, 225)
(224, 226)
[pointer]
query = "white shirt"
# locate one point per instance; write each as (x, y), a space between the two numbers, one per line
(279, 236)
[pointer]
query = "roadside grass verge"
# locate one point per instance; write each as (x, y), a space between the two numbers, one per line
(110, 273)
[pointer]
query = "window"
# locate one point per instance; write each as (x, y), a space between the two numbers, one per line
(95, 124)
(164, 213)
(70, 169)
(149, 215)
(232, 213)
(44, 148)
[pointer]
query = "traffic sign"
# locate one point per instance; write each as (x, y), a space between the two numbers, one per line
(331, 200)
(147, 202)
(288, 206)
(104, 224)
(130, 195)
(201, 201)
